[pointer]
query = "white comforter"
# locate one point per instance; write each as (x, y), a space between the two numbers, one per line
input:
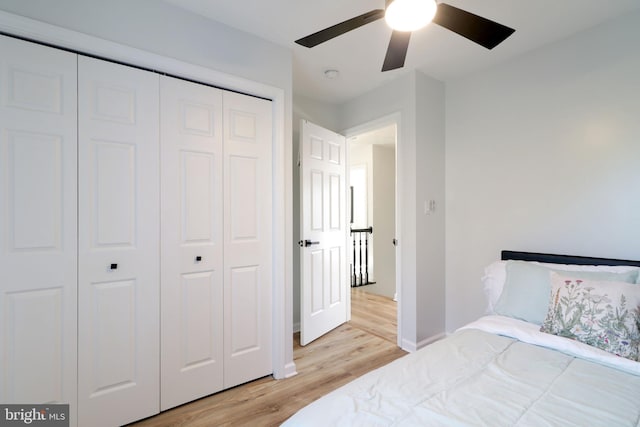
(486, 374)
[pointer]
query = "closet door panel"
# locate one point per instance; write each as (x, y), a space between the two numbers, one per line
(118, 243)
(192, 299)
(38, 237)
(248, 237)
(113, 193)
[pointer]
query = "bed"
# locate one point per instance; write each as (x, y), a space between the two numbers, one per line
(558, 347)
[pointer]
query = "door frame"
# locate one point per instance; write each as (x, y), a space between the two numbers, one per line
(391, 119)
(52, 35)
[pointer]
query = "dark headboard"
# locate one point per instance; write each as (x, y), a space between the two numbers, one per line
(563, 259)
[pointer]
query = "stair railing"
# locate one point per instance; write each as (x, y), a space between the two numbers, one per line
(360, 265)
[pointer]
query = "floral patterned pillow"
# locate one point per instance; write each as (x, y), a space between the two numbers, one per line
(605, 315)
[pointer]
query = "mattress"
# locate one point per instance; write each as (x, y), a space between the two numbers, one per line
(497, 371)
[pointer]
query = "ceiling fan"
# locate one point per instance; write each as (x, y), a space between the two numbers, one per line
(405, 16)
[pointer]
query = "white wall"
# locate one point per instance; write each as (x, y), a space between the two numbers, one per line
(384, 180)
(543, 155)
(430, 227)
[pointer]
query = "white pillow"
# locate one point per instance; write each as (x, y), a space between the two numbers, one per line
(495, 276)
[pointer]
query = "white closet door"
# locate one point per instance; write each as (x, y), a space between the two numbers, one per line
(247, 238)
(191, 224)
(118, 243)
(38, 237)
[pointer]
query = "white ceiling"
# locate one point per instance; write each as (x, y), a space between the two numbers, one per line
(437, 52)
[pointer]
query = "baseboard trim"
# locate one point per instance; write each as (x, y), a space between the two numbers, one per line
(431, 340)
(411, 346)
(290, 370)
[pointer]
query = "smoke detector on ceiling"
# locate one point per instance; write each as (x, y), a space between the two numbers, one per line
(331, 74)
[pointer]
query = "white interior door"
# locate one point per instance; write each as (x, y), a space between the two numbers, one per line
(118, 199)
(324, 289)
(248, 246)
(38, 234)
(191, 241)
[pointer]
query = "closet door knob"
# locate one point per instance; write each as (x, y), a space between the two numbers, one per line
(198, 258)
(114, 266)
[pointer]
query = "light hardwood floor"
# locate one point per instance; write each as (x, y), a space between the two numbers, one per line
(367, 342)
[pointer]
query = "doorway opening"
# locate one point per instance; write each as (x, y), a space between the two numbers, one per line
(371, 171)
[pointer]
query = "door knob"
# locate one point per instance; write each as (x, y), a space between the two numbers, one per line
(306, 243)
(113, 266)
(198, 258)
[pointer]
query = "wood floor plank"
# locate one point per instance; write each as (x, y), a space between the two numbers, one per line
(373, 313)
(365, 343)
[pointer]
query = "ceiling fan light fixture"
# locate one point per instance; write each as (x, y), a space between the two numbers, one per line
(410, 15)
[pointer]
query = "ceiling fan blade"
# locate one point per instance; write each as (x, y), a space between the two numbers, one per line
(480, 30)
(341, 28)
(397, 50)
